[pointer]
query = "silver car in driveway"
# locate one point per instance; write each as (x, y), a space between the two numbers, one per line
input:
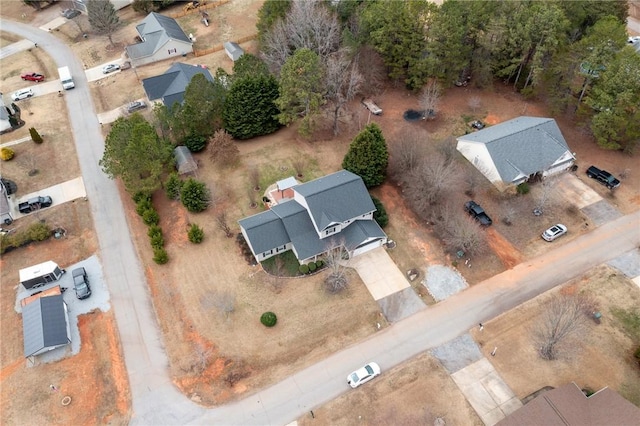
(554, 232)
(110, 68)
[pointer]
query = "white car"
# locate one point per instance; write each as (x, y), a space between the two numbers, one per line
(363, 375)
(110, 68)
(22, 94)
(554, 232)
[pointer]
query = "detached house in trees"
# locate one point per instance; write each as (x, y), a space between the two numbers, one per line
(162, 38)
(313, 217)
(517, 150)
(171, 86)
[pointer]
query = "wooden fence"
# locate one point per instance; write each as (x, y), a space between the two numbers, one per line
(219, 47)
(207, 6)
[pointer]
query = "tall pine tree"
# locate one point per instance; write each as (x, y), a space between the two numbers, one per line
(368, 156)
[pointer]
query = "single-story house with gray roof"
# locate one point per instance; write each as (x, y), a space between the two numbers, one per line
(324, 213)
(162, 38)
(517, 150)
(170, 86)
(45, 324)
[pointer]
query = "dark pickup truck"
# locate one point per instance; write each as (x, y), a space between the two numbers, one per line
(603, 176)
(35, 203)
(477, 213)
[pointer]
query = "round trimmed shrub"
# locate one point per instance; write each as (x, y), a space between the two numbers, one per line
(151, 217)
(173, 186)
(157, 241)
(195, 143)
(320, 263)
(160, 256)
(143, 205)
(154, 230)
(312, 266)
(6, 154)
(195, 234)
(523, 188)
(304, 269)
(139, 196)
(268, 319)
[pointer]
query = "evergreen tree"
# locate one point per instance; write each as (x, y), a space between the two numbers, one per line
(368, 156)
(250, 108)
(103, 17)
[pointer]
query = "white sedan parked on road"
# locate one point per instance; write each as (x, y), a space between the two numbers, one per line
(363, 375)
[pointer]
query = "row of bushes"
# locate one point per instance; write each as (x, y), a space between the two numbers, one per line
(151, 218)
(37, 232)
(310, 267)
(194, 195)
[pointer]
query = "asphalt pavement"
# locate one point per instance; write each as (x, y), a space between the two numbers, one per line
(156, 401)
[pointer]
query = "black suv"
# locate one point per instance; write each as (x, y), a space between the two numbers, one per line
(81, 283)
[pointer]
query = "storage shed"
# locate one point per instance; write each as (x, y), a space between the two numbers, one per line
(41, 274)
(184, 160)
(45, 324)
(234, 51)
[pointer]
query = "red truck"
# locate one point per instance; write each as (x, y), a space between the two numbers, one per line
(33, 77)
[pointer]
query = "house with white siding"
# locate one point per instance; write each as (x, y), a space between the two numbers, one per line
(162, 38)
(334, 210)
(517, 150)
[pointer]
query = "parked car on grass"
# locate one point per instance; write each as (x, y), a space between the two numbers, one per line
(477, 213)
(477, 124)
(135, 106)
(603, 176)
(22, 94)
(81, 283)
(363, 375)
(34, 76)
(554, 232)
(110, 68)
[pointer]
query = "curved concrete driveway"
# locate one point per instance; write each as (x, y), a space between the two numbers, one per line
(156, 401)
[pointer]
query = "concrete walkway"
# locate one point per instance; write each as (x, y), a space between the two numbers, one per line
(16, 142)
(16, 47)
(52, 25)
(487, 393)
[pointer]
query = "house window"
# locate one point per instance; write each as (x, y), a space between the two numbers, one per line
(282, 248)
(172, 51)
(267, 253)
(330, 231)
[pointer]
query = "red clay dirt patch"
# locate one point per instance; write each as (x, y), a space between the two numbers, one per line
(508, 254)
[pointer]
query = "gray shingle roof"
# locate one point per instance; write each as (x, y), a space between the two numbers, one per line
(265, 231)
(233, 50)
(170, 86)
(336, 198)
(44, 324)
(290, 222)
(155, 30)
(523, 145)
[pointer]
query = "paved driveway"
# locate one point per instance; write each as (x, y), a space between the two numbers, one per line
(61, 193)
(379, 273)
(572, 189)
(16, 47)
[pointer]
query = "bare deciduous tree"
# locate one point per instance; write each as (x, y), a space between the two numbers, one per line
(474, 103)
(308, 24)
(225, 302)
(254, 178)
(429, 98)
(562, 325)
(336, 259)
(222, 149)
(201, 354)
(545, 192)
(299, 164)
(407, 152)
(372, 68)
(343, 81)
(460, 232)
(221, 220)
(428, 182)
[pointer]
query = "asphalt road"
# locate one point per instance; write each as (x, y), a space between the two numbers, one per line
(156, 401)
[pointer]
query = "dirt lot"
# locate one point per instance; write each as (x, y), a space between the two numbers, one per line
(415, 393)
(603, 359)
(215, 358)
